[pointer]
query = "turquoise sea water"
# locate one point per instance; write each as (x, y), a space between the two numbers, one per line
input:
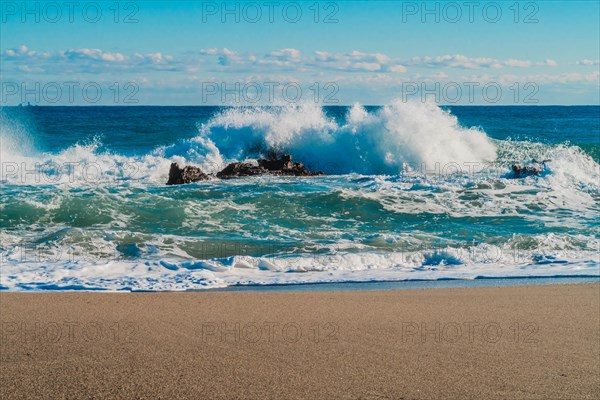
(413, 192)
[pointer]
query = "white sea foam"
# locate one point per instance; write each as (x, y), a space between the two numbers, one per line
(80, 164)
(380, 142)
(171, 274)
(391, 140)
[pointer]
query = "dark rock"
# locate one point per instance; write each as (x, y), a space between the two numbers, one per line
(280, 166)
(535, 168)
(274, 164)
(520, 171)
(239, 169)
(188, 174)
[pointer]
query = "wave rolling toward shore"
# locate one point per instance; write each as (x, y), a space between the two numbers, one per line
(411, 193)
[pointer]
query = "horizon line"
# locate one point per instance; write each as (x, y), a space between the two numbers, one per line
(285, 105)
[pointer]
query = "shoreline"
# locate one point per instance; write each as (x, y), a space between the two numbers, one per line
(529, 342)
(409, 284)
(415, 284)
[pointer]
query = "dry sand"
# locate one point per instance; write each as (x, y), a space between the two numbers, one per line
(535, 342)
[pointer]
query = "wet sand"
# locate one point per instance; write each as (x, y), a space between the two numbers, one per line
(525, 342)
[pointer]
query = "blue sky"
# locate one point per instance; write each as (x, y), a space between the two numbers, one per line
(154, 52)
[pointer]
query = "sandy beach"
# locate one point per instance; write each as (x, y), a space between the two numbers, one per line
(528, 342)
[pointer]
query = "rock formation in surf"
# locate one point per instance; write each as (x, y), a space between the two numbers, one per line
(535, 168)
(273, 165)
(279, 166)
(188, 174)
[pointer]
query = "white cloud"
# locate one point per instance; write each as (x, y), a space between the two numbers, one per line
(440, 76)
(286, 55)
(456, 61)
(84, 60)
(352, 67)
(397, 68)
(463, 62)
(517, 63)
(289, 58)
(537, 79)
(366, 66)
(568, 77)
(23, 52)
(224, 56)
(92, 54)
(153, 58)
(356, 61)
(588, 62)
(26, 68)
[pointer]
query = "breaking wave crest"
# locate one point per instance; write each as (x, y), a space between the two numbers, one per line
(377, 142)
(385, 141)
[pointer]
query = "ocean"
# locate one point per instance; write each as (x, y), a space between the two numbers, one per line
(412, 192)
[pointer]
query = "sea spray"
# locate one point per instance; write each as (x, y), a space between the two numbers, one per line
(382, 141)
(379, 142)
